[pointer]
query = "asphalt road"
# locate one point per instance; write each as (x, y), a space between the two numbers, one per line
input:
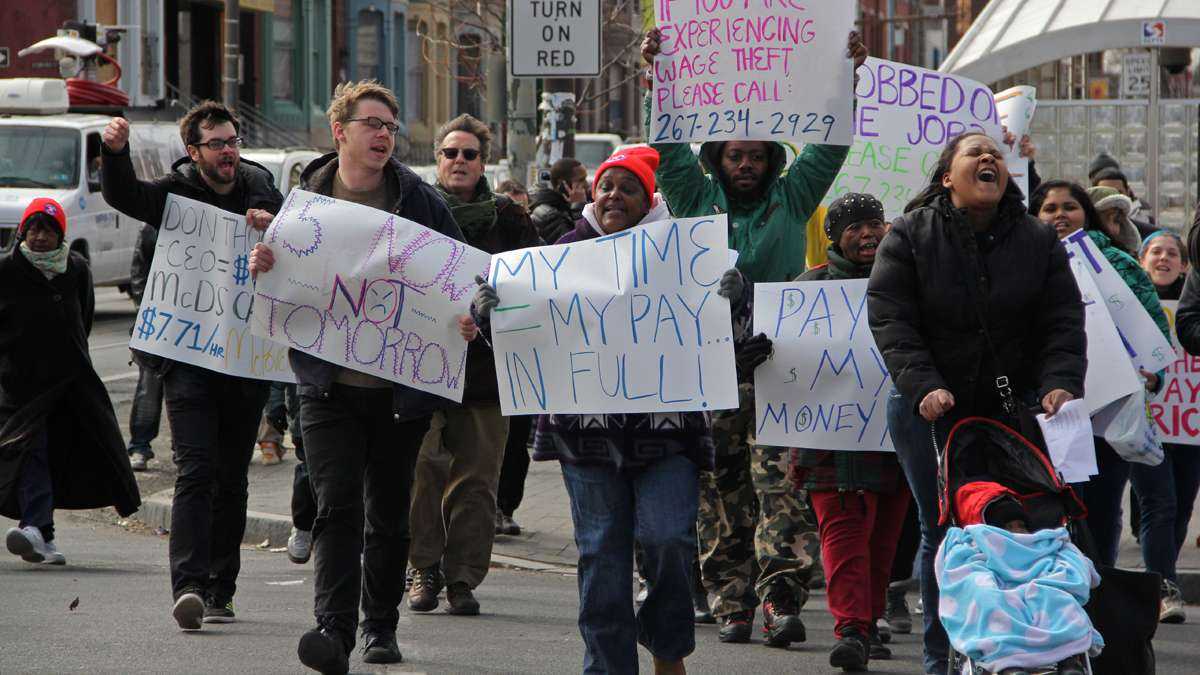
(109, 344)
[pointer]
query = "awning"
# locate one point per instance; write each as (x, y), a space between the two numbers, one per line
(1010, 36)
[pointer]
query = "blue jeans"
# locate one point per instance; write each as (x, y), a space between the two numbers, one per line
(914, 449)
(610, 509)
(1165, 494)
(35, 487)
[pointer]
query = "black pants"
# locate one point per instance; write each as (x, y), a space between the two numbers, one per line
(304, 501)
(214, 422)
(515, 468)
(360, 463)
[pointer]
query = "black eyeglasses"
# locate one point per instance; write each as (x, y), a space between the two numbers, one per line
(377, 124)
(469, 154)
(218, 144)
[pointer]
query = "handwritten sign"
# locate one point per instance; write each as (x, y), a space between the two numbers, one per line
(905, 117)
(1016, 106)
(1147, 346)
(369, 291)
(826, 386)
(752, 70)
(196, 308)
(623, 323)
(1110, 374)
(1175, 411)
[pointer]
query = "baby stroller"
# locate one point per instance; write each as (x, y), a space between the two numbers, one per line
(979, 447)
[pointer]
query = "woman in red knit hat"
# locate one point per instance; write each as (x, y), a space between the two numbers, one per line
(61, 444)
(629, 477)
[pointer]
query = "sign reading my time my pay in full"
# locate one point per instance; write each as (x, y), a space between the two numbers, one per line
(554, 38)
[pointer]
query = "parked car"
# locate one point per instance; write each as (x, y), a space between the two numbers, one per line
(286, 164)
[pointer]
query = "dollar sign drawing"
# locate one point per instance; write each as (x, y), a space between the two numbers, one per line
(241, 270)
(146, 328)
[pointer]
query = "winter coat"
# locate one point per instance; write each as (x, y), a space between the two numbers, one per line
(145, 201)
(769, 234)
(143, 259)
(551, 214)
(1187, 316)
(48, 384)
(923, 316)
(418, 202)
(827, 470)
(510, 230)
(630, 440)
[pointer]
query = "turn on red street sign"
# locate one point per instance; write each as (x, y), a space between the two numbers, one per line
(554, 38)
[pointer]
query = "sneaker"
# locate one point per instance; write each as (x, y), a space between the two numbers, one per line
(460, 600)
(1171, 610)
(381, 648)
(425, 589)
(736, 627)
(643, 591)
(26, 542)
(885, 632)
(299, 546)
(509, 526)
(189, 610)
(53, 557)
(781, 618)
(217, 612)
(896, 613)
(270, 453)
(702, 614)
(324, 651)
(875, 646)
(850, 652)
(137, 461)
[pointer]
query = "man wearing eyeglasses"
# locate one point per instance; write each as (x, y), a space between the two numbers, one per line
(361, 433)
(214, 417)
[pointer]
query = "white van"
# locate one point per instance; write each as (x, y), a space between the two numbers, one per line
(47, 152)
(285, 165)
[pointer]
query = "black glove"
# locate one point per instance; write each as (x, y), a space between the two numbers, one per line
(751, 353)
(732, 286)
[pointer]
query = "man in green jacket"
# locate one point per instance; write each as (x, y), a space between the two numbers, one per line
(758, 537)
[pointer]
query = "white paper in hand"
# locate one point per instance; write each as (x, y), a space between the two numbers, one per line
(1068, 436)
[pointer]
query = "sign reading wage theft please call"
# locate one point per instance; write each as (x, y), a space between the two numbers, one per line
(554, 38)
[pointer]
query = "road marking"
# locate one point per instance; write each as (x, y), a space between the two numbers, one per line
(117, 378)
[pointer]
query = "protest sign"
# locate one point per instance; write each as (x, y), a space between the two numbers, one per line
(1016, 106)
(905, 117)
(1018, 171)
(623, 323)
(369, 291)
(752, 70)
(1147, 346)
(196, 307)
(1176, 408)
(1110, 373)
(826, 385)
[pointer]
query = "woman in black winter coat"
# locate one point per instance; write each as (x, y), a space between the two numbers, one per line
(965, 249)
(60, 446)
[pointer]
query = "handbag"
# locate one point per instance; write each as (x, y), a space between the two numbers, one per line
(1127, 426)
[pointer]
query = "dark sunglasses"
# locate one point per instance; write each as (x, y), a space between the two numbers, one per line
(469, 154)
(218, 144)
(377, 124)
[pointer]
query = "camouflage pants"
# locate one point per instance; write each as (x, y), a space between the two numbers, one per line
(755, 530)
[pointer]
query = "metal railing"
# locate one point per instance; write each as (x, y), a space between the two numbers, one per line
(257, 130)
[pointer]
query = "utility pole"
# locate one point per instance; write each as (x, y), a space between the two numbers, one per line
(229, 74)
(562, 102)
(522, 128)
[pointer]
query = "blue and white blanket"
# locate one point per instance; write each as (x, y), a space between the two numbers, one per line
(1015, 600)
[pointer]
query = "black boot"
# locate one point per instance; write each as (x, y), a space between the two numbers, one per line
(781, 617)
(850, 653)
(736, 627)
(324, 650)
(381, 647)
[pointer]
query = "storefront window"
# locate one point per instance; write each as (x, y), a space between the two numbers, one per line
(283, 73)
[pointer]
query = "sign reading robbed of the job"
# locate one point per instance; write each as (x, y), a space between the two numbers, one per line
(196, 306)
(826, 386)
(369, 291)
(622, 323)
(554, 38)
(752, 69)
(905, 117)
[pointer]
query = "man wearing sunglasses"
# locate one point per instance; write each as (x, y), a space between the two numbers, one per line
(214, 416)
(458, 469)
(361, 433)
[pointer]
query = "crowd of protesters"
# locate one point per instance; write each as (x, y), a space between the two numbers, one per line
(968, 288)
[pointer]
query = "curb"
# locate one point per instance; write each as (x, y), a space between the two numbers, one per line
(260, 526)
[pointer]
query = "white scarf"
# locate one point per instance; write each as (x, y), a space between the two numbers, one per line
(49, 263)
(658, 211)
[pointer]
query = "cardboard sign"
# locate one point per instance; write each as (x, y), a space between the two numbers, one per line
(905, 117)
(826, 386)
(196, 308)
(623, 323)
(1110, 374)
(368, 290)
(1176, 409)
(1016, 106)
(1147, 346)
(752, 70)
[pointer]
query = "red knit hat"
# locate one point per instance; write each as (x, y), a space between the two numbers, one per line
(642, 160)
(49, 207)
